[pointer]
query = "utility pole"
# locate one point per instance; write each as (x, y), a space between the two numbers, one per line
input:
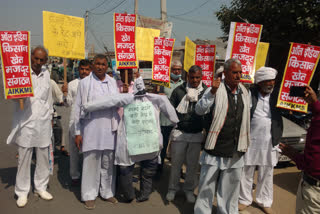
(163, 7)
(135, 6)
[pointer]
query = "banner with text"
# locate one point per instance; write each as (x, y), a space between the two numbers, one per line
(124, 40)
(205, 58)
(262, 54)
(242, 44)
(189, 54)
(63, 35)
(15, 55)
(141, 128)
(144, 41)
(301, 64)
(161, 65)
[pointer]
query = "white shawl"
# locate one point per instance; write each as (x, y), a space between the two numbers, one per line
(220, 114)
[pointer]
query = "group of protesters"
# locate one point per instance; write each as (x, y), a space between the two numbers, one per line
(230, 130)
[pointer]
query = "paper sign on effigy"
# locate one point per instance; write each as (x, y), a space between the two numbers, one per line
(189, 54)
(205, 58)
(144, 41)
(301, 64)
(262, 54)
(162, 54)
(124, 40)
(15, 55)
(141, 128)
(63, 35)
(242, 44)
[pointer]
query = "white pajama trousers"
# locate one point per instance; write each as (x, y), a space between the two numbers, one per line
(41, 175)
(226, 183)
(264, 191)
(74, 158)
(98, 175)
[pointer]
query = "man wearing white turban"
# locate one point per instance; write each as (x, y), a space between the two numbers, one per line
(265, 132)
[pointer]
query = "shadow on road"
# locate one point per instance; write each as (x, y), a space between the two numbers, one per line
(8, 176)
(63, 176)
(282, 180)
(161, 186)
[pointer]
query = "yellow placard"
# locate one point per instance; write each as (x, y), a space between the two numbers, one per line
(63, 35)
(262, 53)
(189, 54)
(144, 42)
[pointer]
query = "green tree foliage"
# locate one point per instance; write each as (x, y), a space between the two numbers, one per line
(283, 21)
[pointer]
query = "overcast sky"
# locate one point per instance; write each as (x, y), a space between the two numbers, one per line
(27, 15)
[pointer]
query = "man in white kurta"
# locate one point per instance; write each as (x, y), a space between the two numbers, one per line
(32, 129)
(228, 138)
(96, 134)
(85, 68)
(265, 132)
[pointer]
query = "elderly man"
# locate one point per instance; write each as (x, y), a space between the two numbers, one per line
(266, 131)
(32, 129)
(228, 138)
(85, 68)
(188, 135)
(308, 193)
(96, 134)
(166, 125)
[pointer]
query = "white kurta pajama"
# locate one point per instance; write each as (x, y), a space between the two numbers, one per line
(32, 128)
(74, 152)
(221, 175)
(98, 132)
(262, 154)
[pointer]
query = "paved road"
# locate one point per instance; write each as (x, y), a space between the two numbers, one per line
(66, 198)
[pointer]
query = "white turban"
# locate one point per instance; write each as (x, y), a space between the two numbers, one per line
(265, 73)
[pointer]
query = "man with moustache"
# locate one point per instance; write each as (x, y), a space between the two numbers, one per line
(32, 129)
(95, 135)
(228, 138)
(71, 89)
(266, 130)
(187, 137)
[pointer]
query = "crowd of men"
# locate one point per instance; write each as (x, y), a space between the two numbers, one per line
(229, 129)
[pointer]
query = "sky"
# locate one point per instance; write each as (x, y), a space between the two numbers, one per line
(27, 15)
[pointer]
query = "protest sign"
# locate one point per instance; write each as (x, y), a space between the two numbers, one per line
(205, 58)
(15, 55)
(124, 40)
(262, 54)
(63, 35)
(162, 54)
(189, 54)
(242, 44)
(301, 64)
(144, 41)
(141, 128)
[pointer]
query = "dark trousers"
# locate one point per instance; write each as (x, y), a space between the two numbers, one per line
(148, 169)
(165, 130)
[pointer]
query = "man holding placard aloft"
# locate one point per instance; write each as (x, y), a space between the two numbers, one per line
(32, 129)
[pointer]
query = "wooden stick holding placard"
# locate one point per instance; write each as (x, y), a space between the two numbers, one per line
(126, 76)
(21, 104)
(65, 73)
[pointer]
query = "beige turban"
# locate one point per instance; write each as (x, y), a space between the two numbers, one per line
(265, 73)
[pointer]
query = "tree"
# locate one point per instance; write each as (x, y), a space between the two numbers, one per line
(283, 21)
